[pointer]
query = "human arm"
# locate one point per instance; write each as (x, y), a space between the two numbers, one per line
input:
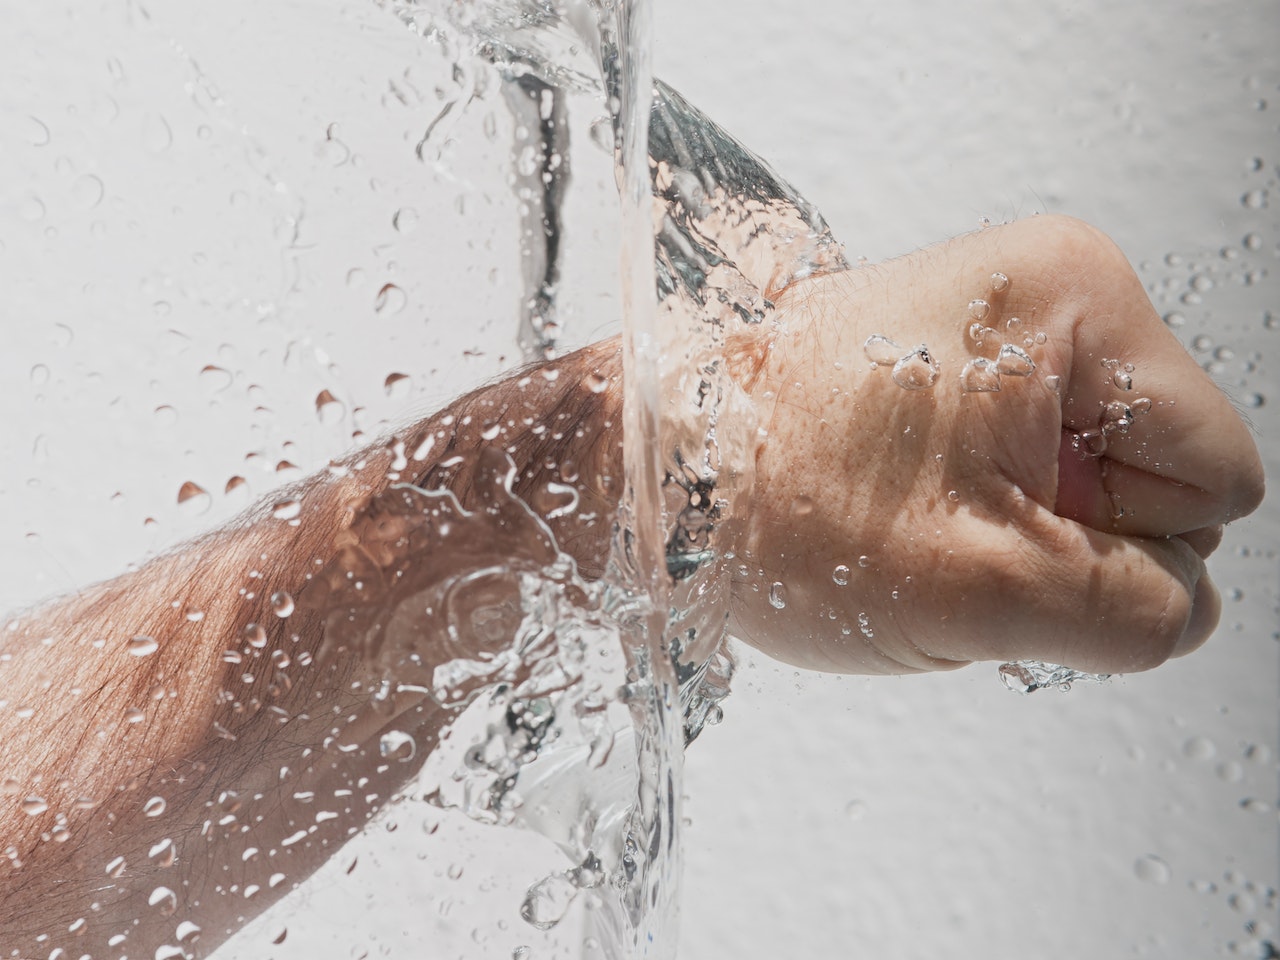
(848, 466)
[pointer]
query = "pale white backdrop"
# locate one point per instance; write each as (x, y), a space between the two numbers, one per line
(201, 208)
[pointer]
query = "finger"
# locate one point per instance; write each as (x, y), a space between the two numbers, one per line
(1096, 601)
(1191, 438)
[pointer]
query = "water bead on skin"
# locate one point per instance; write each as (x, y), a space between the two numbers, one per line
(999, 283)
(881, 351)
(979, 309)
(980, 375)
(917, 370)
(1014, 362)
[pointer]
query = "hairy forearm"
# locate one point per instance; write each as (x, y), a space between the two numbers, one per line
(182, 726)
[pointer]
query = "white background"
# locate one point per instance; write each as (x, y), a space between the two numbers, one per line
(174, 196)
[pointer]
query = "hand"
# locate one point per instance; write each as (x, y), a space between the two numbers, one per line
(916, 529)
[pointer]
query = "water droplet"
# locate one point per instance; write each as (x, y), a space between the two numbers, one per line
(1053, 382)
(524, 953)
(143, 646)
(1254, 199)
(855, 810)
(115, 868)
(1173, 319)
(953, 496)
(164, 900)
(1013, 361)
(154, 807)
(34, 806)
(1151, 869)
(881, 350)
(287, 509)
(390, 299)
(917, 370)
(999, 282)
(979, 309)
(548, 901)
(840, 575)
(194, 497)
(1252, 242)
(1122, 379)
(398, 744)
(864, 626)
(187, 931)
(282, 603)
(157, 135)
(777, 595)
(1230, 771)
(980, 375)
(395, 383)
(1141, 406)
(35, 131)
(254, 635)
(595, 382)
(405, 219)
(1255, 805)
(864, 561)
(329, 409)
(88, 191)
(1199, 748)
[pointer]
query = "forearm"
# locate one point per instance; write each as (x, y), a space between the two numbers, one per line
(196, 701)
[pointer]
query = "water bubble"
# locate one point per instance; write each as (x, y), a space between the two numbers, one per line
(1122, 379)
(999, 282)
(1013, 326)
(840, 575)
(282, 604)
(524, 953)
(154, 807)
(548, 901)
(34, 806)
(394, 383)
(980, 375)
(864, 626)
(777, 595)
(187, 931)
(1053, 382)
(855, 810)
(254, 635)
(864, 561)
(115, 868)
(881, 350)
(1255, 805)
(1151, 869)
(143, 646)
(390, 299)
(1174, 319)
(917, 370)
(979, 309)
(1252, 242)
(1230, 771)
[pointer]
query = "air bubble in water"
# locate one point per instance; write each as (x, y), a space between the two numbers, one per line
(143, 646)
(1141, 406)
(980, 375)
(395, 383)
(1053, 382)
(34, 806)
(777, 595)
(1014, 362)
(979, 309)
(1151, 869)
(115, 868)
(840, 575)
(881, 350)
(154, 807)
(548, 901)
(1254, 199)
(254, 635)
(1089, 443)
(917, 370)
(999, 282)
(1122, 379)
